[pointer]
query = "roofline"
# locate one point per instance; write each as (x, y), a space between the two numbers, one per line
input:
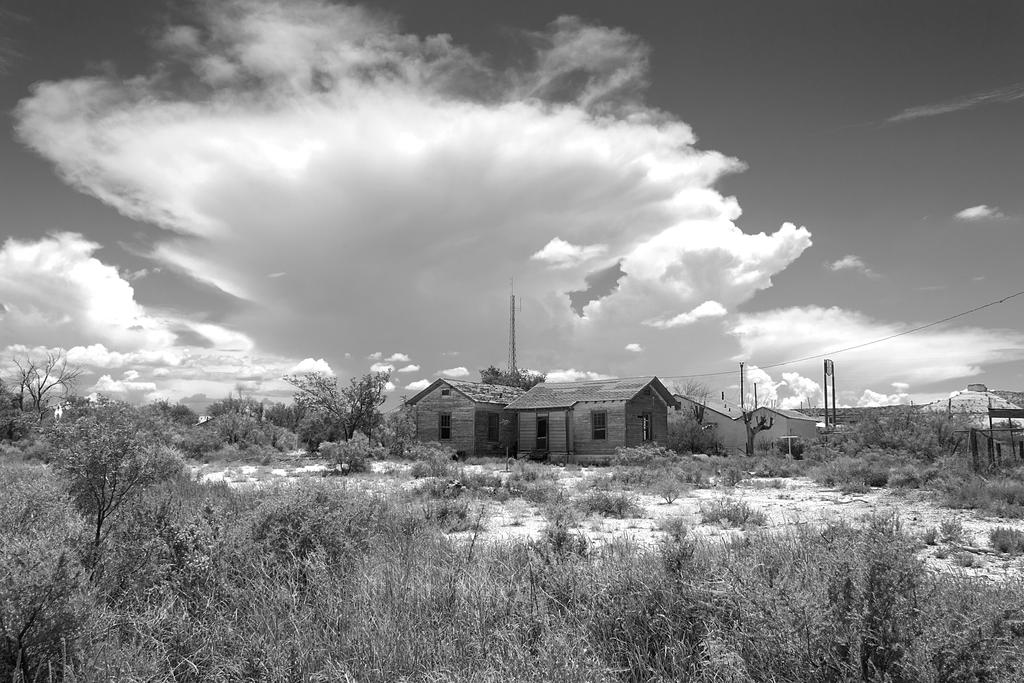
(671, 401)
(447, 380)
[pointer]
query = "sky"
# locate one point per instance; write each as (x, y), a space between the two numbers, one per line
(202, 197)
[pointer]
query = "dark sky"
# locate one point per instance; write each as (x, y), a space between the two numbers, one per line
(873, 124)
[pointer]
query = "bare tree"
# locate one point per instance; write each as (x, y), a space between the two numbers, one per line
(754, 427)
(355, 407)
(40, 380)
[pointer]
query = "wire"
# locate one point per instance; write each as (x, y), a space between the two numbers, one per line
(855, 346)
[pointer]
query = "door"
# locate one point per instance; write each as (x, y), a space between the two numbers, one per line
(542, 432)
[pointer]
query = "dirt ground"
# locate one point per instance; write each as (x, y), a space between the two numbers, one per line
(786, 503)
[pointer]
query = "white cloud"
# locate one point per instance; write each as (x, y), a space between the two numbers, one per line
(131, 375)
(925, 357)
(708, 309)
(382, 367)
(412, 367)
(573, 375)
(801, 391)
(124, 389)
(854, 263)
(329, 108)
(389, 387)
(455, 373)
(634, 347)
(418, 385)
(397, 358)
(1005, 94)
(308, 365)
(981, 212)
(900, 386)
(376, 355)
(560, 254)
(871, 399)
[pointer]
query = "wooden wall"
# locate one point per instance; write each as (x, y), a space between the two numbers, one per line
(651, 403)
(557, 430)
(582, 432)
(464, 421)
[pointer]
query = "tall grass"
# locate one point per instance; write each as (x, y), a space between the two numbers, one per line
(317, 581)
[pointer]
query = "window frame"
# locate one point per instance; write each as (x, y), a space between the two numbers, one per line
(441, 426)
(603, 428)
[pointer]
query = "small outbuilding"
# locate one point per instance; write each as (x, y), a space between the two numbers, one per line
(468, 416)
(591, 419)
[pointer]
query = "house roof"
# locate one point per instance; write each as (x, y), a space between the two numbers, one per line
(724, 408)
(474, 391)
(790, 414)
(567, 394)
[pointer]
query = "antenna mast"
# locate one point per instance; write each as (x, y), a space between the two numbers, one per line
(512, 368)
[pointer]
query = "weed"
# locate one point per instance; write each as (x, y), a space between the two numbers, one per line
(930, 536)
(952, 531)
(609, 504)
(1007, 540)
(676, 528)
(733, 512)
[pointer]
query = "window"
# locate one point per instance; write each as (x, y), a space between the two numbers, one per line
(646, 424)
(493, 426)
(598, 425)
(446, 392)
(444, 427)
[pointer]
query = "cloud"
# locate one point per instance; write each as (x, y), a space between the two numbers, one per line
(708, 309)
(389, 387)
(854, 263)
(125, 389)
(573, 375)
(418, 385)
(308, 365)
(397, 358)
(873, 399)
(322, 125)
(412, 367)
(926, 357)
(634, 347)
(560, 254)
(376, 355)
(981, 212)
(999, 95)
(801, 391)
(455, 373)
(382, 367)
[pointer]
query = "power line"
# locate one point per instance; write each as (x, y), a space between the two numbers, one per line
(855, 346)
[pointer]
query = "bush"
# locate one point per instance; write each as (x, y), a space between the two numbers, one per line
(952, 531)
(852, 474)
(1002, 496)
(647, 455)
(451, 515)
(609, 504)
(734, 512)
(351, 456)
(435, 465)
(686, 435)
(44, 599)
(790, 447)
(1007, 540)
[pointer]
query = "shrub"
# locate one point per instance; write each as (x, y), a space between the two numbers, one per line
(451, 515)
(736, 513)
(687, 435)
(676, 528)
(351, 456)
(852, 474)
(1007, 540)
(1002, 496)
(930, 536)
(609, 504)
(433, 466)
(952, 531)
(559, 536)
(790, 447)
(669, 488)
(647, 455)
(44, 599)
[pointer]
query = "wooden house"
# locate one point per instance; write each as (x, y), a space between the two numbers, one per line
(591, 419)
(468, 416)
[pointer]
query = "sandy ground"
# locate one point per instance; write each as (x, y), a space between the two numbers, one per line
(786, 504)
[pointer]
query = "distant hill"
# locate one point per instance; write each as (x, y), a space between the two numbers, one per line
(851, 416)
(1014, 397)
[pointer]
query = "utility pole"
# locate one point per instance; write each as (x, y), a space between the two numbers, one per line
(512, 363)
(824, 383)
(742, 403)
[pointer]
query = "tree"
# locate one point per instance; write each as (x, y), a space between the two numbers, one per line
(356, 408)
(14, 424)
(524, 379)
(107, 463)
(39, 380)
(754, 427)
(398, 431)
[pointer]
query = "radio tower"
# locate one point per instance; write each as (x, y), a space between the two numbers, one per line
(512, 369)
